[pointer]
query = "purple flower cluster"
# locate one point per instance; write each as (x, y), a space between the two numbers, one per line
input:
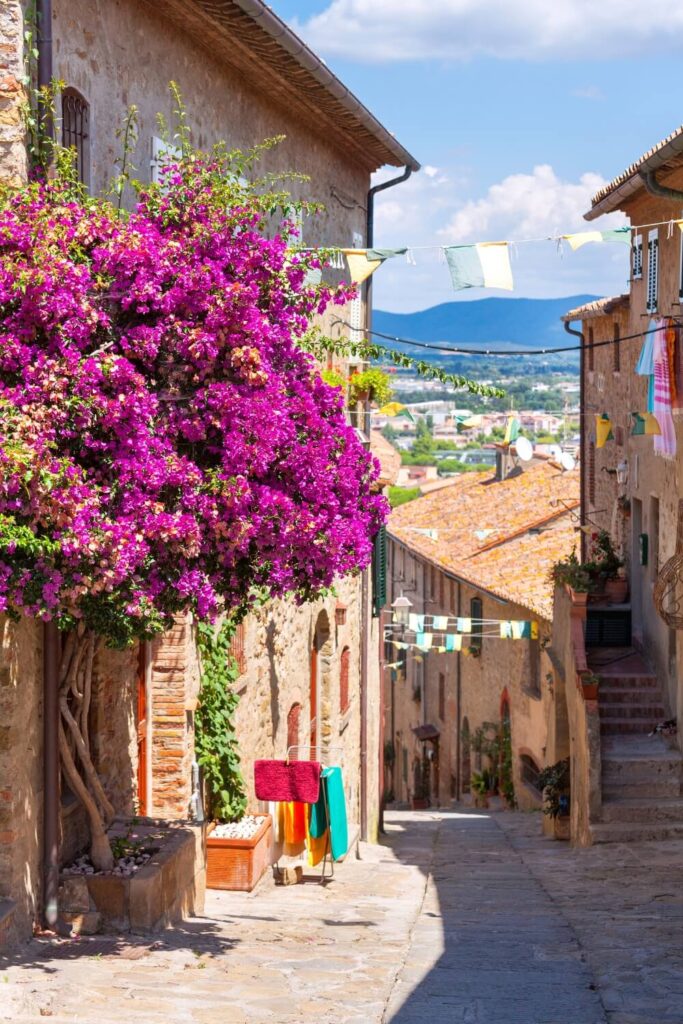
(165, 444)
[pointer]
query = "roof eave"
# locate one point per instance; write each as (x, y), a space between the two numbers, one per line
(615, 197)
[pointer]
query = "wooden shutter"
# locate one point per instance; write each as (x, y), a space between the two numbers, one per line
(379, 571)
(652, 271)
(637, 258)
(476, 608)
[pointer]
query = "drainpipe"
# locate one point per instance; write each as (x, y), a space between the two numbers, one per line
(649, 179)
(582, 431)
(458, 696)
(50, 633)
(366, 616)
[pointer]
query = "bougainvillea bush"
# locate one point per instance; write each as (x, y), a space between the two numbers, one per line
(165, 444)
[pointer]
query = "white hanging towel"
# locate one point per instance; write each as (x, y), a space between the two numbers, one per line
(485, 265)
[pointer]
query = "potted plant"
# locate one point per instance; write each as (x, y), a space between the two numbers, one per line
(608, 568)
(238, 845)
(479, 787)
(574, 576)
(372, 385)
(555, 781)
(589, 685)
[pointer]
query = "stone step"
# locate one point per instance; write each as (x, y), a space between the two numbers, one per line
(634, 832)
(641, 770)
(645, 681)
(656, 809)
(655, 712)
(622, 726)
(629, 695)
(641, 789)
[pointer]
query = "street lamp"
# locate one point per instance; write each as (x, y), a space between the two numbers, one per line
(401, 609)
(622, 473)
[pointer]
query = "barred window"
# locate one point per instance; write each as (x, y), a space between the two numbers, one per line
(76, 131)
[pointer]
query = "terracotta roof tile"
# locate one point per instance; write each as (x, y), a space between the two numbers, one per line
(661, 154)
(599, 307)
(484, 529)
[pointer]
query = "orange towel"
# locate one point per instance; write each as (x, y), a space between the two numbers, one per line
(317, 847)
(294, 827)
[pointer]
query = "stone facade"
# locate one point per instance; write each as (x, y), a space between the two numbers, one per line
(458, 692)
(13, 163)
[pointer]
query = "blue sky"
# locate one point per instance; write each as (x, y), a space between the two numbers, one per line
(517, 112)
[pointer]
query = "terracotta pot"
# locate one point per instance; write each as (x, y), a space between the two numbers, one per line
(616, 591)
(590, 691)
(238, 864)
(578, 597)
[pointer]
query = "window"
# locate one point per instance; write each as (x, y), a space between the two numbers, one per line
(616, 349)
(344, 680)
(637, 258)
(432, 582)
(442, 590)
(237, 649)
(591, 350)
(442, 697)
(591, 472)
(533, 686)
(529, 771)
(76, 130)
(379, 571)
(476, 609)
(452, 598)
(652, 271)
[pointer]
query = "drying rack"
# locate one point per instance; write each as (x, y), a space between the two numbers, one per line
(327, 857)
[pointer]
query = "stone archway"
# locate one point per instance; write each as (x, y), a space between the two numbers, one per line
(320, 689)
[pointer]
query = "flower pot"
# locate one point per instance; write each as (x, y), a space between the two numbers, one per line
(579, 597)
(238, 864)
(561, 826)
(589, 690)
(616, 590)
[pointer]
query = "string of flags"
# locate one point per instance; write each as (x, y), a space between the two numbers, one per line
(418, 634)
(476, 265)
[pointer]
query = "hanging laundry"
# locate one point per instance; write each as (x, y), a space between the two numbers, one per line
(385, 254)
(673, 344)
(603, 430)
(506, 630)
(440, 623)
(333, 782)
(511, 430)
(486, 265)
(294, 827)
(453, 642)
(582, 237)
(416, 623)
(665, 442)
(400, 645)
(524, 630)
(645, 367)
(424, 641)
(317, 834)
(364, 262)
(464, 625)
(395, 409)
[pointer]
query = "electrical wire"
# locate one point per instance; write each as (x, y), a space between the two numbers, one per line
(439, 347)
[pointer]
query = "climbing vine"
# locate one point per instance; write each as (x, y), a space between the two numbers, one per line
(215, 739)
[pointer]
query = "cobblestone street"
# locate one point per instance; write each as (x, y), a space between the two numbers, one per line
(457, 918)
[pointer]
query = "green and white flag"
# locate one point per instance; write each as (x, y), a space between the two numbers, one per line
(485, 265)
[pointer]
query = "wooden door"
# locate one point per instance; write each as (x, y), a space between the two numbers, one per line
(142, 730)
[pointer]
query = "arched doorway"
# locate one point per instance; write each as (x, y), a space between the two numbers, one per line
(319, 689)
(466, 756)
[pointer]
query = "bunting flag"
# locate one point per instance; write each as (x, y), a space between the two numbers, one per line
(453, 643)
(364, 262)
(644, 423)
(518, 630)
(582, 237)
(463, 625)
(440, 623)
(511, 430)
(485, 265)
(395, 409)
(416, 623)
(603, 430)
(424, 640)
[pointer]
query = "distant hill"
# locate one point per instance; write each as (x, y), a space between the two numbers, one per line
(513, 323)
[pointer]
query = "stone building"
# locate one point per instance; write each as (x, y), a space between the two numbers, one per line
(307, 675)
(632, 492)
(478, 550)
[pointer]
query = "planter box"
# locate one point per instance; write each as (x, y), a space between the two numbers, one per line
(238, 864)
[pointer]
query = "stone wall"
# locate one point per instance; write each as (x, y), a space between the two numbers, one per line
(21, 760)
(516, 671)
(13, 165)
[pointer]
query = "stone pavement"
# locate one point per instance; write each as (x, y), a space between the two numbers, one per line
(468, 918)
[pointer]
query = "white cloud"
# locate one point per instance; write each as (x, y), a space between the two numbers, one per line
(435, 211)
(588, 92)
(387, 30)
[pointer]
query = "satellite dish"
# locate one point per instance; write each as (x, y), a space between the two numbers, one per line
(525, 449)
(567, 461)
(555, 452)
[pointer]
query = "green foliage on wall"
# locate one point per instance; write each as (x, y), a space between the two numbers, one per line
(215, 739)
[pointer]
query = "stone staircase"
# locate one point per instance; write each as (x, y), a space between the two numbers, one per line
(641, 774)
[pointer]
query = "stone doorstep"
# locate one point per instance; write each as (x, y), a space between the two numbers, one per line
(644, 809)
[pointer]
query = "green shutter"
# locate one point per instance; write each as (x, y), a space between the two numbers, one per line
(379, 571)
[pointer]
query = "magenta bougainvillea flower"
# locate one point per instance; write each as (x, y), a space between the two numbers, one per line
(165, 444)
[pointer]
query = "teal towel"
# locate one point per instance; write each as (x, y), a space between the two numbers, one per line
(318, 823)
(336, 805)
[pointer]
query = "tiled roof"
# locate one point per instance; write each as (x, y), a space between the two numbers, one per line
(483, 531)
(599, 307)
(389, 458)
(605, 199)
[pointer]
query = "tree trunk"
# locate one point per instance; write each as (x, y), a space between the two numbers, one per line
(75, 680)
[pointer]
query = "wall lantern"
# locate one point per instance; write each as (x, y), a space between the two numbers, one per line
(340, 614)
(401, 608)
(622, 473)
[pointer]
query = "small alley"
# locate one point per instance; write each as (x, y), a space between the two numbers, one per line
(456, 917)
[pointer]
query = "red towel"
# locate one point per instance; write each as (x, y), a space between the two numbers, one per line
(297, 781)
